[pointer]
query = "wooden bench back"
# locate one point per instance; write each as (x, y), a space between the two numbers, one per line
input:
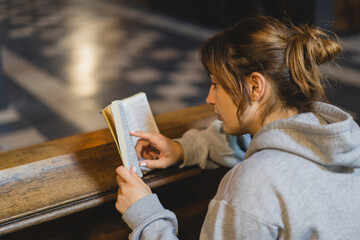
(46, 181)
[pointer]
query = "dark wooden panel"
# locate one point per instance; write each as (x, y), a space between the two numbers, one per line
(188, 198)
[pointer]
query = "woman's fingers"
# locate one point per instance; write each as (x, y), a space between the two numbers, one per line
(140, 146)
(143, 135)
(126, 176)
(147, 146)
(149, 153)
(153, 138)
(119, 180)
(131, 188)
(138, 178)
(123, 175)
(154, 164)
(155, 146)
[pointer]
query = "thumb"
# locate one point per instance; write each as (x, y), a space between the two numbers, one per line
(138, 178)
(134, 173)
(153, 163)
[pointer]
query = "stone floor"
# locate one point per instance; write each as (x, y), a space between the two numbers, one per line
(64, 60)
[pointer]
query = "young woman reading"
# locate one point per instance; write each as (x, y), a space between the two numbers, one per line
(295, 160)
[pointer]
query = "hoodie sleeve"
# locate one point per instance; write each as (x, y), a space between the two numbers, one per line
(148, 219)
(212, 147)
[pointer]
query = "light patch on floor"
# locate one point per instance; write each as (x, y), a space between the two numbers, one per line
(8, 115)
(143, 75)
(81, 112)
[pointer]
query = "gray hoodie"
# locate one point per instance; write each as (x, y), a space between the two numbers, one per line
(300, 179)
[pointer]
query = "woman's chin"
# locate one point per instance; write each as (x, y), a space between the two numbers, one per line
(234, 131)
(229, 130)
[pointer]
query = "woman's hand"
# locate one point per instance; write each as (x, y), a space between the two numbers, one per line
(131, 188)
(159, 151)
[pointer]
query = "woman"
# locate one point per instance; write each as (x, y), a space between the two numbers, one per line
(300, 177)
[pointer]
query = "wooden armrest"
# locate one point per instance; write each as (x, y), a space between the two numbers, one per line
(60, 177)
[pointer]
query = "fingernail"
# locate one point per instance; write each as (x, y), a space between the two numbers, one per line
(143, 164)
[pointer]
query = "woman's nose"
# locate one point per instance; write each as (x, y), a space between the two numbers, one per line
(210, 98)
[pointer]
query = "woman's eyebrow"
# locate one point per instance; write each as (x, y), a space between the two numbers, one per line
(212, 78)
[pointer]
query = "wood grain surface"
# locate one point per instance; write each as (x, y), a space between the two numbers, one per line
(46, 181)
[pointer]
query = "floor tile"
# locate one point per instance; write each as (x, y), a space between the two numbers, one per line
(64, 60)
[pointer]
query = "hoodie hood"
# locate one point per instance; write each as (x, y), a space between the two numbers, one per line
(328, 136)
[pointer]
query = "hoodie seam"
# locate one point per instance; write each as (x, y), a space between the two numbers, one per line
(247, 213)
(299, 131)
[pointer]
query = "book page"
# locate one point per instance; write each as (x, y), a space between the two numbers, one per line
(107, 113)
(126, 143)
(139, 114)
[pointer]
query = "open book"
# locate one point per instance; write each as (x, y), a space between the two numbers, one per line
(129, 114)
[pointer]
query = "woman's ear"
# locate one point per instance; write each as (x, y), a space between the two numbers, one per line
(257, 86)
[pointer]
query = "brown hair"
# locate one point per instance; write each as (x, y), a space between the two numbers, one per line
(285, 54)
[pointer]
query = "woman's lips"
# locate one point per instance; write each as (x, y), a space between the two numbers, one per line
(217, 115)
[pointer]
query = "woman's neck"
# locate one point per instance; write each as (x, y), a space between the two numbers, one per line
(281, 114)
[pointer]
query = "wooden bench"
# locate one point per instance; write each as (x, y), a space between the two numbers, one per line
(66, 188)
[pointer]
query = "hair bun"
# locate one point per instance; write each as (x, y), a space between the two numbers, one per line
(317, 46)
(306, 49)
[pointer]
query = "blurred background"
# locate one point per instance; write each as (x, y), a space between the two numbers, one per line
(62, 61)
